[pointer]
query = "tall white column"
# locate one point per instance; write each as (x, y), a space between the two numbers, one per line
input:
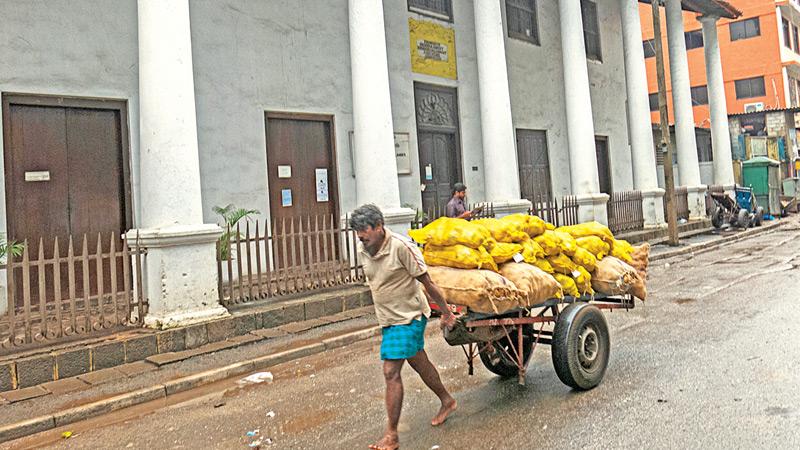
(720, 134)
(580, 125)
(180, 280)
(645, 175)
(499, 149)
(682, 106)
(376, 168)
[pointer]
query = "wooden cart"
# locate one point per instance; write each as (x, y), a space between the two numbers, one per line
(579, 338)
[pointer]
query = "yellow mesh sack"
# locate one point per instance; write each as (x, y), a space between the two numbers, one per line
(568, 244)
(503, 252)
(531, 251)
(589, 229)
(549, 226)
(594, 245)
(549, 242)
(544, 265)
(530, 225)
(459, 257)
(502, 231)
(583, 281)
(584, 258)
(623, 245)
(567, 285)
(562, 264)
(618, 251)
(446, 231)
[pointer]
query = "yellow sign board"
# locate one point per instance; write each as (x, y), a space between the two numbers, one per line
(433, 49)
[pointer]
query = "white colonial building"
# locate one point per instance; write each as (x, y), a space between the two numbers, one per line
(141, 116)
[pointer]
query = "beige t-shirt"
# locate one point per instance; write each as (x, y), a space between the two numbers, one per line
(391, 274)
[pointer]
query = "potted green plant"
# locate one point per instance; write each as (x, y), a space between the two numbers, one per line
(9, 248)
(231, 215)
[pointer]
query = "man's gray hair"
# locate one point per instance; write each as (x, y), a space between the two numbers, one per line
(364, 216)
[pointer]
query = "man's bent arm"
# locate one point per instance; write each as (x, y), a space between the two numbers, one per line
(436, 295)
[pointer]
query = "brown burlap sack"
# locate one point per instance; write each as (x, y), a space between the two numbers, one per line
(615, 277)
(535, 283)
(481, 291)
(641, 259)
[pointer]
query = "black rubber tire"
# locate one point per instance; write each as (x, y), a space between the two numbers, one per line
(501, 365)
(743, 219)
(718, 218)
(759, 216)
(581, 325)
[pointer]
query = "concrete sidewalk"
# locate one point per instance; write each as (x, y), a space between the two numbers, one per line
(70, 400)
(704, 240)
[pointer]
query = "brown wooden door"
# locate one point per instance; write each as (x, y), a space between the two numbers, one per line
(302, 145)
(66, 175)
(439, 168)
(534, 165)
(438, 141)
(603, 165)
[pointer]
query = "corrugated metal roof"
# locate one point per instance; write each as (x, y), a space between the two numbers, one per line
(793, 109)
(717, 8)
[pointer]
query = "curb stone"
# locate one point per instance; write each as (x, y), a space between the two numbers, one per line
(87, 411)
(700, 248)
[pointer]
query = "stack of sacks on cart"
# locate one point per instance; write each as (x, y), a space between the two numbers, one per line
(495, 265)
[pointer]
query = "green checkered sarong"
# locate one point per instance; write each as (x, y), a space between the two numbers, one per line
(403, 341)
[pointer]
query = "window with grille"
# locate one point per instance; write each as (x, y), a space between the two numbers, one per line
(442, 9)
(699, 95)
(787, 40)
(694, 39)
(750, 87)
(653, 101)
(795, 35)
(591, 30)
(745, 29)
(649, 48)
(522, 20)
(534, 165)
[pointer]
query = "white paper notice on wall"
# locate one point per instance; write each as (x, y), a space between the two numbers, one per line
(284, 171)
(322, 184)
(286, 197)
(428, 172)
(42, 175)
(402, 154)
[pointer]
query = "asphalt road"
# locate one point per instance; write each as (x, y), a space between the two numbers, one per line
(709, 361)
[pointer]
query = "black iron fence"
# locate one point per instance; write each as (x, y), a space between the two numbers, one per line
(625, 211)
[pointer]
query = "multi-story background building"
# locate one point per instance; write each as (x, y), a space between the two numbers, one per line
(760, 52)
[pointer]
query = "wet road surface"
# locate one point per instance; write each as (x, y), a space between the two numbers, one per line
(709, 361)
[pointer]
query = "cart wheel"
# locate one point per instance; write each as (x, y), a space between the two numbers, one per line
(718, 217)
(743, 218)
(759, 216)
(581, 346)
(498, 363)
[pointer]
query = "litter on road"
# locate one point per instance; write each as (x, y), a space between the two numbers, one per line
(257, 378)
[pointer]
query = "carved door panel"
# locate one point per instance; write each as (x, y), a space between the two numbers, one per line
(438, 144)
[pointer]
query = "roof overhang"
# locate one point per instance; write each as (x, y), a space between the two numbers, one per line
(716, 8)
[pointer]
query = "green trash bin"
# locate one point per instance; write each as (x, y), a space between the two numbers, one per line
(763, 175)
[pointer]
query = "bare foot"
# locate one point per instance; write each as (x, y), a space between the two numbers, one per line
(447, 407)
(387, 442)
